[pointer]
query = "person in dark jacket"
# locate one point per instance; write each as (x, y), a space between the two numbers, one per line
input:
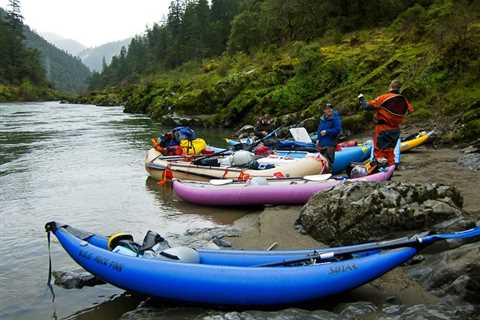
(329, 128)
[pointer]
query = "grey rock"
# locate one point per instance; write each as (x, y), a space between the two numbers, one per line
(146, 312)
(439, 311)
(470, 157)
(355, 310)
(222, 242)
(212, 238)
(416, 259)
(355, 212)
(75, 279)
(454, 274)
(287, 314)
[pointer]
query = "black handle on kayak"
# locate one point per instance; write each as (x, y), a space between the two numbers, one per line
(49, 228)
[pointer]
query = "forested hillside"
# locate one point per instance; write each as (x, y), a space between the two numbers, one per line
(194, 30)
(43, 61)
(71, 46)
(96, 57)
(235, 59)
(66, 72)
(21, 73)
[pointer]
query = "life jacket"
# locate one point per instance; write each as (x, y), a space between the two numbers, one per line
(391, 109)
(396, 104)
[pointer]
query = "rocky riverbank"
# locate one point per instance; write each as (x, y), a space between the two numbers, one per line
(435, 285)
(440, 283)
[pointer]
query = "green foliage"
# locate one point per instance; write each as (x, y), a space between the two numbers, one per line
(410, 25)
(93, 57)
(286, 58)
(279, 22)
(17, 63)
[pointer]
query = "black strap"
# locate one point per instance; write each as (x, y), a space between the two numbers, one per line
(49, 281)
(396, 105)
(170, 256)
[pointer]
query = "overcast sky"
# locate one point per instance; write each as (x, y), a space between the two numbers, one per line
(92, 22)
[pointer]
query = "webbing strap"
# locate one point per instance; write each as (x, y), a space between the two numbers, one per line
(49, 281)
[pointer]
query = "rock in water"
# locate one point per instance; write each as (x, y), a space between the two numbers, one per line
(357, 212)
(75, 279)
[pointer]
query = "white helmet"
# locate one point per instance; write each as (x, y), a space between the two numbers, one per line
(358, 171)
(181, 254)
(258, 181)
(242, 157)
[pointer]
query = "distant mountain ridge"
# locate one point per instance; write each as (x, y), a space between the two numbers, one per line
(93, 57)
(69, 45)
(65, 71)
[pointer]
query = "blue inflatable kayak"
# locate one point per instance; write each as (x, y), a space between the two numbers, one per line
(246, 278)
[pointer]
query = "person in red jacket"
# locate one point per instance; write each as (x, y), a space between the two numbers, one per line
(390, 111)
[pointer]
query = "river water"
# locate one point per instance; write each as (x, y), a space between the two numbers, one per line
(81, 165)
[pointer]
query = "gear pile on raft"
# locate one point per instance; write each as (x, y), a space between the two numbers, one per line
(260, 167)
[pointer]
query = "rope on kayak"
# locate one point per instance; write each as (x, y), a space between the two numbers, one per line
(49, 281)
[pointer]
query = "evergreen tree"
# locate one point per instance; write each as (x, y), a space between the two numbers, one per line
(18, 64)
(15, 17)
(192, 30)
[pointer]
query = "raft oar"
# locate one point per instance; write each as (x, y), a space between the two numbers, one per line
(253, 145)
(417, 241)
(197, 161)
(250, 148)
(316, 178)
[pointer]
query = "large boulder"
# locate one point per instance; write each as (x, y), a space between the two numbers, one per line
(452, 274)
(357, 212)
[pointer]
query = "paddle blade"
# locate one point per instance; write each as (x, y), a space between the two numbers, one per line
(319, 177)
(220, 182)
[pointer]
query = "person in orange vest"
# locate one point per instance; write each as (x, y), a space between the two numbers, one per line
(390, 111)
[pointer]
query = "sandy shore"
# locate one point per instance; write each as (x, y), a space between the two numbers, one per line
(275, 225)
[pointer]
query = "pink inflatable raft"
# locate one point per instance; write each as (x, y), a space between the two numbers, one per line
(226, 192)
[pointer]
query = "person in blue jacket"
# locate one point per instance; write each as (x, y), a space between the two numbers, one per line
(329, 128)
